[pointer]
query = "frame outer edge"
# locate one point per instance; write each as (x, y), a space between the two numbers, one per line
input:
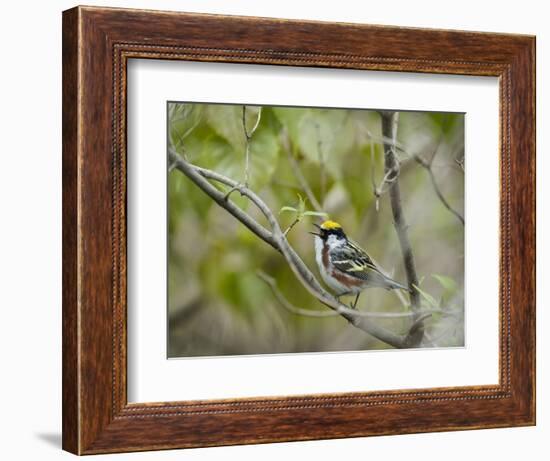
(91, 419)
(525, 164)
(533, 56)
(70, 189)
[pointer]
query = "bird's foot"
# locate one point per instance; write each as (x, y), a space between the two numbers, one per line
(351, 305)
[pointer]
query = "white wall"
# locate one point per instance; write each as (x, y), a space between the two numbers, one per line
(30, 227)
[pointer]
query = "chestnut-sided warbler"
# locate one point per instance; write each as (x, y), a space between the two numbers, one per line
(345, 267)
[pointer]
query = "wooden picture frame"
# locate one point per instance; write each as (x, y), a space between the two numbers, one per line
(97, 43)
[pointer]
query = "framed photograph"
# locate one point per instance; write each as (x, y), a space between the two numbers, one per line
(281, 230)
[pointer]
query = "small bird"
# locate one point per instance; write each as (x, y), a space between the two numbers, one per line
(345, 267)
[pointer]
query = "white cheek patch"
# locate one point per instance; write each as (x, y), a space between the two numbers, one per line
(333, 241)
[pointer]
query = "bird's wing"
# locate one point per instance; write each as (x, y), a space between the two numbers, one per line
(355, 261)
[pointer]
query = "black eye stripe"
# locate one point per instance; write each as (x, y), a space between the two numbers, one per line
(338, 232)
(335, 232)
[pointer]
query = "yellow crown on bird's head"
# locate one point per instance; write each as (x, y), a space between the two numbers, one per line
(330, 225)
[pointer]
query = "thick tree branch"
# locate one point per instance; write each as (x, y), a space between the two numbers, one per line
(198, 175)
(389, 131)
(277, 240)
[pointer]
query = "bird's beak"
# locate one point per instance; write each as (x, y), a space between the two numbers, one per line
(315, 233)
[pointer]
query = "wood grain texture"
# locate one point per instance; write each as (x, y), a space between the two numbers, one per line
(97, 43)
(70, 383)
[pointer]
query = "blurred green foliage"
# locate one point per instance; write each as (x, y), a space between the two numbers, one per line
(217, 303)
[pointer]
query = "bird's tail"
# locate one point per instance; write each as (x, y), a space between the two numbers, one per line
(393, 285)
(384, 281)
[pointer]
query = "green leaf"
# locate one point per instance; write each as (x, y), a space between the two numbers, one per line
(446, 282)
(323, 136)
(301, 210)
(288, 208)
(315, 213)
(291, 118)
(356, 170)
(264, 155)
(428, 297)
(226, 121)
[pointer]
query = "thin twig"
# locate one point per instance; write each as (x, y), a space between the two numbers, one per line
(442, 198)
(428, 166)
(292, 224)
(248, 136)
(297, 171)
(320, 155)
(460, 162)
(270, 281)
(389, 177)
(373, 171)
(247, 149)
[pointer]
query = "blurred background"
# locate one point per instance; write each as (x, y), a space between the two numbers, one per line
(312, 159)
